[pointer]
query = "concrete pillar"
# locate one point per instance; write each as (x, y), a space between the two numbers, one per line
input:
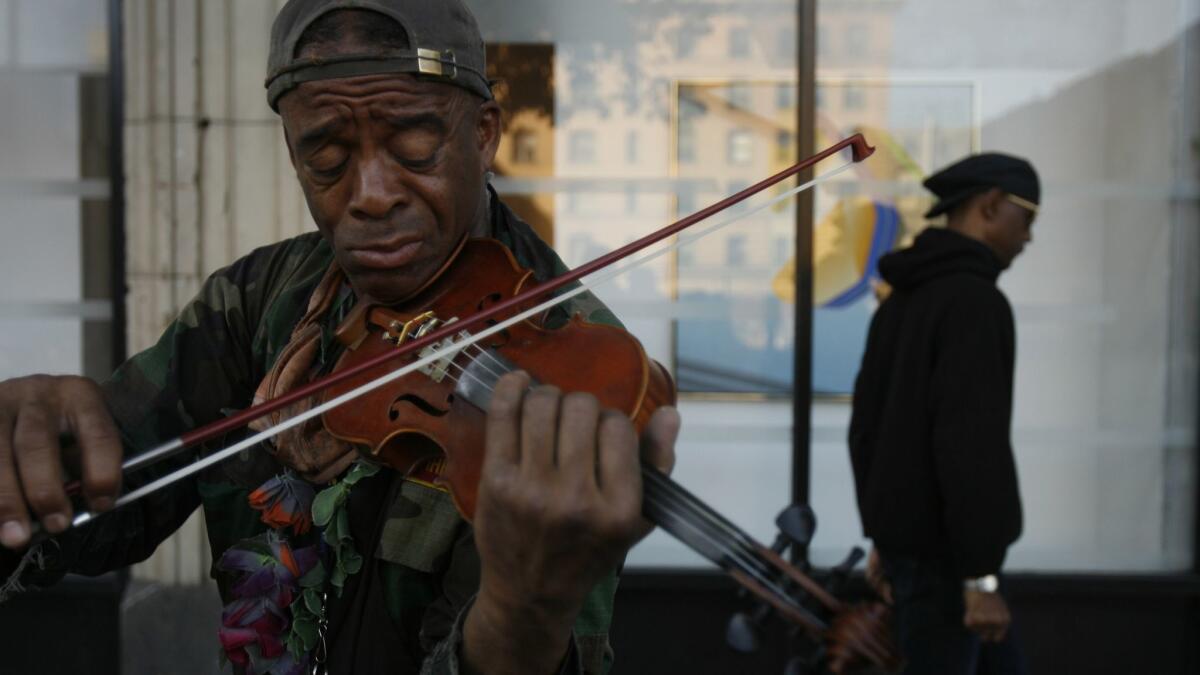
(208, 177)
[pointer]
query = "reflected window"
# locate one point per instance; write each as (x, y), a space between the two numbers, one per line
(581, 147)
(854, 98)
(735, 250)
(785, 145)
(740, 147)
(781, 250)
(735, 187)
(525, 147)
(687, 143)
(739, 96)
(785, 96)
(739, 42)
(687, 203)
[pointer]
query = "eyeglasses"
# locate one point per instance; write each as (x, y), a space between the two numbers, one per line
(1023, 203)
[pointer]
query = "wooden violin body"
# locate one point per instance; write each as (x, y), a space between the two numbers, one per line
(423, 415)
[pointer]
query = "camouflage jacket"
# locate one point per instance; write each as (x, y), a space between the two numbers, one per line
(422, 570)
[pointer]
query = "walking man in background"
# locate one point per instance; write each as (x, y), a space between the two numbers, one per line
(929, 435)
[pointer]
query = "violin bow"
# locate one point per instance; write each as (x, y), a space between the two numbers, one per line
(442, 343)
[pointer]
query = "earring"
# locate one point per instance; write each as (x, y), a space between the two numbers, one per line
(488, 176)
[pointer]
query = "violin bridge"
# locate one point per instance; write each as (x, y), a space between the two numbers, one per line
(438, 370)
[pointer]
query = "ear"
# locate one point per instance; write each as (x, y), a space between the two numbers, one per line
(487, 131)
(991, 203)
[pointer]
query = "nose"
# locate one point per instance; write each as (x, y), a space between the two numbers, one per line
(377, 189)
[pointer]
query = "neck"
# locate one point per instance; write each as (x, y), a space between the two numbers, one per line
(974, 230)
(968, 227)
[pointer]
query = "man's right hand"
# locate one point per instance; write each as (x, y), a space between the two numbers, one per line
(876, 579)
(987, 615)
(35, 412)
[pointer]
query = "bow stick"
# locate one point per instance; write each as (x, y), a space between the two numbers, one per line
(857, 144)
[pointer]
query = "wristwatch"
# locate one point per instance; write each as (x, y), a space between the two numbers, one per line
(986, 584)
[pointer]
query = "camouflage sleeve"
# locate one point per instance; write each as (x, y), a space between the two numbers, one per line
(201, 366)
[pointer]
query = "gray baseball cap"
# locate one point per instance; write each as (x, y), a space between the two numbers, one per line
(444, 44)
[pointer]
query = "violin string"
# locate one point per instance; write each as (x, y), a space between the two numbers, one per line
(655, 500)
(687, 504)
(672, 491)
(174, 446)
(708, 523)
(657, 491)
(684, 497)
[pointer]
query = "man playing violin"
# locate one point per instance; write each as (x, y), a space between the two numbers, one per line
(392, 129)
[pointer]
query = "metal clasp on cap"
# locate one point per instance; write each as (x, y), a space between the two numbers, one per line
(433, 62)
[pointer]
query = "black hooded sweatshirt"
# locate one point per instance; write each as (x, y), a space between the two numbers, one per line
(929, 434)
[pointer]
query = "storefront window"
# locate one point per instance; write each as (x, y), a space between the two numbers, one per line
(1105, 423)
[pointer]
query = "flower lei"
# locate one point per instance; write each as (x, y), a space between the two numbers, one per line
(273, 624)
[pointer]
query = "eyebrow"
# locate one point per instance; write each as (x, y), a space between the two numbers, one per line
(400, 122)
(317, 134)
(428, 120)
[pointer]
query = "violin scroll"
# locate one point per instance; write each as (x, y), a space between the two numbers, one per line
(845, 637)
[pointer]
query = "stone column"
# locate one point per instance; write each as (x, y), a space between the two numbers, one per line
(208, 177)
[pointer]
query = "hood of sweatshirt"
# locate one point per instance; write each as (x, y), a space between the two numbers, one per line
(938, 252)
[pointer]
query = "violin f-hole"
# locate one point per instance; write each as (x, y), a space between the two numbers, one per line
(502, 338)
(394, 411)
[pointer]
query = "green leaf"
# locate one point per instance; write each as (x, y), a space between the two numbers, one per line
(338, 579)
(361, 470)
(294, 646)
(312, 600)
(307, 630)
(343, 525)
(326, 503)
(352, 563)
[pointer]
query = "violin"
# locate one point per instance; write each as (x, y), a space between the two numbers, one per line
(421, 377)
(438, 411)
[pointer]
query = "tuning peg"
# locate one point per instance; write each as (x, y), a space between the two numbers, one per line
(743, 633)
(799, 523)
(852, 559)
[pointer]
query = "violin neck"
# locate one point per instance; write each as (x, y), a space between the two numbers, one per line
(680, 513)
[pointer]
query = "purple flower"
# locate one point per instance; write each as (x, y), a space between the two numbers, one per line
(253, 626)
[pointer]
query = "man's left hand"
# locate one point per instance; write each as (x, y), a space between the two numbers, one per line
(560, 504)
(987, 615)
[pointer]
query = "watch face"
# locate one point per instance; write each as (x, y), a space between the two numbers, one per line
(987, 584)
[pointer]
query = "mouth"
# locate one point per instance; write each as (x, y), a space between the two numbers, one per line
(387, 255)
